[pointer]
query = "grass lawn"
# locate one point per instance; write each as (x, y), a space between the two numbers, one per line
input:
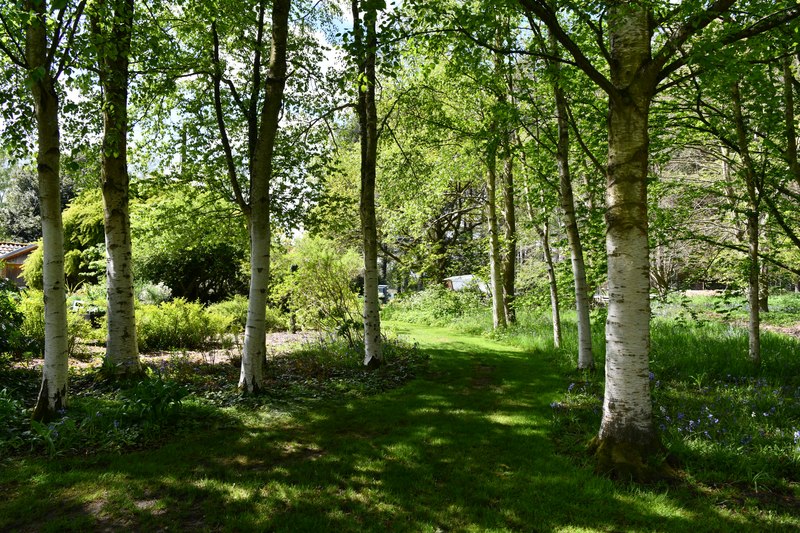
(465, 447)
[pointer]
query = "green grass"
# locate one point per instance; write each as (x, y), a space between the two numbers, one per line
(467, 446)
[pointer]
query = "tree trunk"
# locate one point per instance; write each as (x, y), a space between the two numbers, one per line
(53, 393)
(753, 215)
(368, 121)
(113, 50)
(544, 233)
(789, 117)
(255, 350)
(509, 255)
(495, 268)
(627, 433)
(585, 355)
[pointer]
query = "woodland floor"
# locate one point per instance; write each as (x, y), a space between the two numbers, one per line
(464, 447)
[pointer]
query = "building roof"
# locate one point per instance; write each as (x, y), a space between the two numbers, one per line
(9, 250)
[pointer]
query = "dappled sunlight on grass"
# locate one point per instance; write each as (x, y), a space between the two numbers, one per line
(464, 447)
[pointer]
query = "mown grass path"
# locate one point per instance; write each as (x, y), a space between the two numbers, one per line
(464, 447)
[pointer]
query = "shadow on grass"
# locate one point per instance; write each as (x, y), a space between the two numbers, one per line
(464, 447)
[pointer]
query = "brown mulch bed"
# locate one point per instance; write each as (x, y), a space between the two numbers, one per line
(277, 343)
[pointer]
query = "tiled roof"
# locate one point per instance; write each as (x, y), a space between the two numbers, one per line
(11, 248)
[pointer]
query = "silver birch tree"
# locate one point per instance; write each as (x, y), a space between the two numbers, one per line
(366, 42)
(111, 31)
(627, 435)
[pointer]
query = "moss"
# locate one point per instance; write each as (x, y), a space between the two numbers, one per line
(645, 462)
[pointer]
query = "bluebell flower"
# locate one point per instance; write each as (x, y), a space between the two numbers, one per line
(571, 386)
(680, 416)
(652, 376)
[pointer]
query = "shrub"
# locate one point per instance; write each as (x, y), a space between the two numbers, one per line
(32, 327)
(178, 324)
(10, 318)
(153, 293)
(435, 305)
(235, 310)
(152, 399)
(320, 290)
(13, 421)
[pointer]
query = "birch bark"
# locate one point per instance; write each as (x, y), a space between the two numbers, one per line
(366, 41)
(567, 198)
(509, 253)
(544, 234)
(53, 392)
(113, 52)
(251, 377)
(495, 266)
(627, 421)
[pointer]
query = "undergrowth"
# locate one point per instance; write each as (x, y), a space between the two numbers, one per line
(180, 395)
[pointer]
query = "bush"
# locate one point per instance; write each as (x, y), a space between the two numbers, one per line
(235, 310)
(152, 399)
(320, 290)
(153, 293)
(10, 318)
(435, 305)
(32, 328)
(178, 324)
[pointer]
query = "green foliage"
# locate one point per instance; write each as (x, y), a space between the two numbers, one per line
(436, 305)
(98, 420)
(190, 241)
(178, 324)
(320, 290)
(84, 241)
(19, 191)
(32, 328)
(11, 317)
(234, 310)
(13, 419)
(32, 271)
(153, 399)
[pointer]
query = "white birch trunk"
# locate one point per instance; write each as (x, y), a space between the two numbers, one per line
(627, 408)
(366, 40)
(113, 48)
(509, 261)
(53, 393)
(585, 355)
(544, 233)
(251, 377)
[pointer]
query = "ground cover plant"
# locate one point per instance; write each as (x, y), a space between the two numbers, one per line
(180, 393)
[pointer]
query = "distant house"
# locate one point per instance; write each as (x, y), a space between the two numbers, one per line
(459, 283)
(12, 255)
